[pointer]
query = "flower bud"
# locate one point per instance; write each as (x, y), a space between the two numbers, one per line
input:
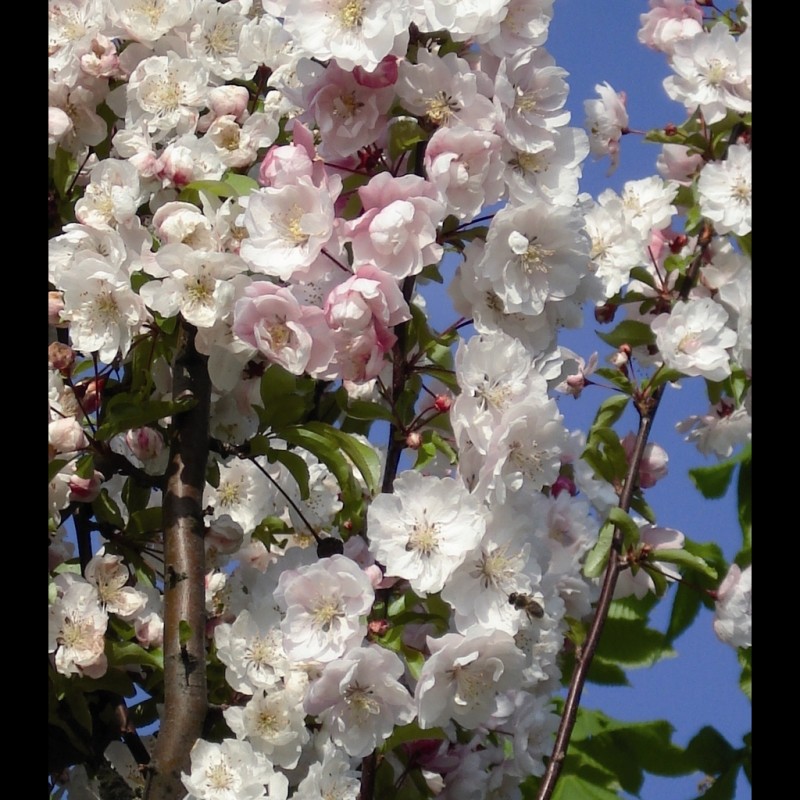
(145, 443)
(563, 483)
(378, 627)
(84, 490)
(605, 313)
(55, 305)
(89, 393)
(443, 402)
(678, 243)
(66, 435)
(61, 357)
(414, 440)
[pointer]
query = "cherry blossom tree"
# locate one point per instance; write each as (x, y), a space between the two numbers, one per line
(306, 543)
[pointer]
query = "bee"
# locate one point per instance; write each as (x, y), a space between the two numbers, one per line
(524, 602)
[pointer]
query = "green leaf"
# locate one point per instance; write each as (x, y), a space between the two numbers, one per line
(610, 411)
(685, 607)
(713, 481)
(597, 557)
(124, 412)
(241, 184)
(664, 375)
(296, 465)
(84, 466)
(218, 188)
(415, 661)
(426, 452)
(605, 673)
(403, 135)
(79, 707)
(114, 680)
(632, 607)
(710, 752)
(616, 378)
(745, 504)
(401, 604)
(329, 454)
(276, 383)
(629, 529)
(106, 510)
(55, 466)
(746, 678)
(443, 447)
(631, 332)
(628, 749)
(145, 521)
(65, 167)
(606, 455)
(119, 654)
(632, 644)
(360, 409)
(641, 506)
(683, 558)
(643, 274)
(571, 787)
(134, 496)
(364, 456)
(723, 787)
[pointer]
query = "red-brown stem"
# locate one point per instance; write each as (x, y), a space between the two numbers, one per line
(584, 657)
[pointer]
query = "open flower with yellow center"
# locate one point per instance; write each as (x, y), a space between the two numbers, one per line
(424, 530)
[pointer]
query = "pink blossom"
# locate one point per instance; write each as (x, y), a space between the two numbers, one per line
(669, 21)
(397, 231)
(466, 167)
(370, 299)
(284, 165)
(224, 101)
(653, 466)
(350, 116)
(297, 337)
(606, 122)
(55, 305)
(66, 435)
(678, 163)
(84, 490)
(385, 74)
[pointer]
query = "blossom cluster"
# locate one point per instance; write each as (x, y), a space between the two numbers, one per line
(284, 176)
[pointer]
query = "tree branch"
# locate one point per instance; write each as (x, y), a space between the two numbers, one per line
(185, 700)
(586, 653)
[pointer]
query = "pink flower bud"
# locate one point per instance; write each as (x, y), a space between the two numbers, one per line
(443, 402)
(654, 461)
(84, 490)
(149, 630)
(66, 435)
(90, 394)
(563, 483)
(414, 440)
(605, 313)
(378, 627)
(61, 357)
(55, 305)
(145, 443)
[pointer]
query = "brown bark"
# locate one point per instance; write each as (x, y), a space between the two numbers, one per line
(185, 697)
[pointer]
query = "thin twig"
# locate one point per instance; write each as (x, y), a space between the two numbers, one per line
(586, 653)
